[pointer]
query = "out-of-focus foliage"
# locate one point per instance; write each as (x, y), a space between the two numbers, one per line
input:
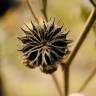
(5, 5)
(85, 12)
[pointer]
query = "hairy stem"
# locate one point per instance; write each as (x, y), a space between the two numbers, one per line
(87, 80)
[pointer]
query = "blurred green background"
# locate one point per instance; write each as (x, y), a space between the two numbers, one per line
(18, 80)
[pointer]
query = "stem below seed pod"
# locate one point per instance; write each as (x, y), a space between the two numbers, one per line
(38, 21)
(57, 84)
(77, 46)
(44, 9)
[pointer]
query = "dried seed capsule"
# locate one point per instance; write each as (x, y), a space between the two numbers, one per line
(44, 46)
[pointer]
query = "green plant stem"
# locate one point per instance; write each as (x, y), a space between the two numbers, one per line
(37, 20)
(87, 80)
(44, 9)
(32, 12)
(77, 46)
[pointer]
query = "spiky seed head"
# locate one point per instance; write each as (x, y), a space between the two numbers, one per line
(44, 46)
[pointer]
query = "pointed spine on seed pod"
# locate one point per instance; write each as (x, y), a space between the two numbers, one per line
(44, 45)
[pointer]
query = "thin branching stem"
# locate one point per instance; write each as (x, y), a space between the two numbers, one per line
(32, 12)
(57, 84)
(82, 36)
(87, 80)
(44, 12)
(93, 2)
(77, 46)
(44, 9)
(38, 21)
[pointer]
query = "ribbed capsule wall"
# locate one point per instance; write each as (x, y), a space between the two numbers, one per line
(44, 45)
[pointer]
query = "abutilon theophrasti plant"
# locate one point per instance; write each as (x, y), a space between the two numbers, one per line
(44, 46)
